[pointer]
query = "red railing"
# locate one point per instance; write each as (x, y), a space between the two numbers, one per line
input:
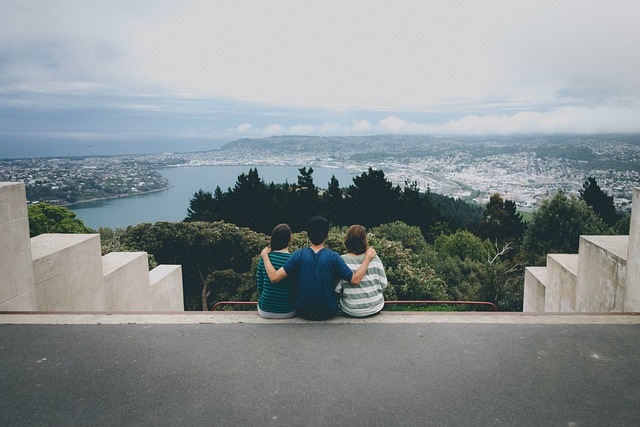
(491, 305)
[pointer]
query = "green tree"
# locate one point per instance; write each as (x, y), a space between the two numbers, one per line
(46, 218)
(333, 202)
(501, 222)
(407, 235)
(201, 248)
(304, 201)
(202, 207)
(601, 204)
(373, 199)
(556, 226)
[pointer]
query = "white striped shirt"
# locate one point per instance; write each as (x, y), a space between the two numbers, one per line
(365, 299)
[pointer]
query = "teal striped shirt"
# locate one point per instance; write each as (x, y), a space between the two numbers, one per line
(365, 299)
(275, 297)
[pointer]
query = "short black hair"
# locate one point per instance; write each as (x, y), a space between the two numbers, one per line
(280, 237)
(317, 229)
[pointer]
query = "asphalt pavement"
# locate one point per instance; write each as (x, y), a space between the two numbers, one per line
(320, 374)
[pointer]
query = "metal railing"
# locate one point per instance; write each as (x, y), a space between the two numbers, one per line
(490, 305)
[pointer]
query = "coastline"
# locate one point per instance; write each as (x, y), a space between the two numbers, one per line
(98, 199)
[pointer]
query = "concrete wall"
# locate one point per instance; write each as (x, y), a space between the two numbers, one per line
(534, 293)
(17, 290)
(67, 272)
(632, 298)
(166, 284)
(126, 281)
(562, 273)
(602, 273)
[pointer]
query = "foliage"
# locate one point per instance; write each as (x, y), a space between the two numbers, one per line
(556, 226)
(501, 222)
(46, 218)
(200, 248)
(464, 245)
(601, 204)
(408, 236)
(371, 200)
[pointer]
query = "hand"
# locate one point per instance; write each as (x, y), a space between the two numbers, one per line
(371, 253)
(265, 251)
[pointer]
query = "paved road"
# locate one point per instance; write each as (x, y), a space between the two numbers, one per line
(318, 374)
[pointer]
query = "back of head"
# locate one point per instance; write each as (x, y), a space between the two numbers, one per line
(317, 229)
(280, 237)
(355, 241)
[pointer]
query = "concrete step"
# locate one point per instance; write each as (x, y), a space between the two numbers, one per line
(67, 271)
(166, 288)
(632, 297)
(602, 273)
(562, 272)
(126, 281)
(535, 284)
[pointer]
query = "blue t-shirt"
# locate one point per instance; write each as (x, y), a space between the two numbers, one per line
(317, 274)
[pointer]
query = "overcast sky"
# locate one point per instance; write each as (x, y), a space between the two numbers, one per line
(230, 69)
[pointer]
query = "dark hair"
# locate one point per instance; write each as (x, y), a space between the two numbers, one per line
(317, 229)
(280, 237)
(356, 240)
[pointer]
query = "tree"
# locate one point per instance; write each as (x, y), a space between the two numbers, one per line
(201, 248)
(250, 203)
(556, 226)
(333, 202)
(304, 201)
(202, 207)
(601, 204)
(46, 218)
(501, 222)
(373, 199)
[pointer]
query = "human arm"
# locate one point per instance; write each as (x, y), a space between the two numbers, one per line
(275, 276)
(362, 270)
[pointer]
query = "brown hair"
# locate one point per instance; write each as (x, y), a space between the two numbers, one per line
(356, 240)
(280, 237)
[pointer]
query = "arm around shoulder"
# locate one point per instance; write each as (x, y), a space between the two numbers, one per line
(362, 270)
(275, 276)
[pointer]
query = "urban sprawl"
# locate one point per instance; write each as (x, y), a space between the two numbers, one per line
(525, 171)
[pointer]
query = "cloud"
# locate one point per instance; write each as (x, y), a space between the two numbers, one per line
(336, 68)
(274, 129)
(244, 127)
(574, 120)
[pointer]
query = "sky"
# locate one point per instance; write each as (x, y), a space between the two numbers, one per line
(221, 70)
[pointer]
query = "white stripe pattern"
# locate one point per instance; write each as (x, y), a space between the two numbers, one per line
(365, 299)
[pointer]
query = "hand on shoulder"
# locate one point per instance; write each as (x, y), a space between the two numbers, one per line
(371, 253)
(265, 252)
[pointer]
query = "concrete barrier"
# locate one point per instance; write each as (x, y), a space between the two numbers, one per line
(67, 272)
(602, 273)
(17, 290)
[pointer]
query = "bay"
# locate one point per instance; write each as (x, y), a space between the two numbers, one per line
(171, 204)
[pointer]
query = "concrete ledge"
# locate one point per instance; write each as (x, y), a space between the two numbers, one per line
(67, 270)
(198, 317)
(126, 281)
(166, 288)
(562, 270)
(535, 284)
(602, 273)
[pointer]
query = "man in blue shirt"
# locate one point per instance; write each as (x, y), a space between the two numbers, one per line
(317, 269)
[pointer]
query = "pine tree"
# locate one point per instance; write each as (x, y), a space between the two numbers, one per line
(601, 204)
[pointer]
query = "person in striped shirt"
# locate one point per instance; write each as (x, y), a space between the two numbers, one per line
(366, 298)
(276, 299)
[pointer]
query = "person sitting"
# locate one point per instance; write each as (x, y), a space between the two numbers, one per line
(316, 269)
(276, 300)
(367, 298)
